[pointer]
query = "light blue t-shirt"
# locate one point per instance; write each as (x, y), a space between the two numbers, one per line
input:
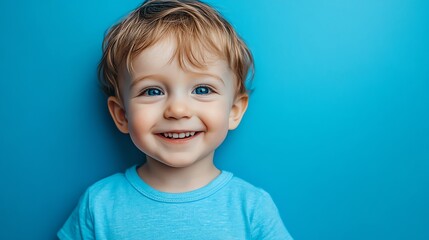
(124, 207)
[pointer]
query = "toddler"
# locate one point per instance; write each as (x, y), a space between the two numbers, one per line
(175, 73)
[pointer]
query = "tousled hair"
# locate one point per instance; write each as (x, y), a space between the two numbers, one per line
(196, 27)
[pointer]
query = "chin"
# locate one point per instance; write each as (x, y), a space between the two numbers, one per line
(175, 162)
(179, 160)
(178, 163)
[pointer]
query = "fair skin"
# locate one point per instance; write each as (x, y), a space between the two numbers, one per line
(176, 116)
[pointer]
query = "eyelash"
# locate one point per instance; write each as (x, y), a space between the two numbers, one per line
(145, 92)
(210, 89)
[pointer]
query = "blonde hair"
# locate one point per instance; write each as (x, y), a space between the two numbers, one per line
(195, 26)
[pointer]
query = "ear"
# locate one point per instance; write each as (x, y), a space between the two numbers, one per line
(237, 111)
(117, 112)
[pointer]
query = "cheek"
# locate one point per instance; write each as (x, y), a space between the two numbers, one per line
(216, 117)
(140, 122)
(140, 119)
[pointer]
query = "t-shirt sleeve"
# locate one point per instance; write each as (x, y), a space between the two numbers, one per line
(267, 223)
(80, 223)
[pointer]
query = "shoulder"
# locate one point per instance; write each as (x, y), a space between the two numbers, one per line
(107, 187)
(103, 195)
(246, 189)
(246, 194)
(109, 182)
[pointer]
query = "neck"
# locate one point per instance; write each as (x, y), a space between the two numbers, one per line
(178, 179)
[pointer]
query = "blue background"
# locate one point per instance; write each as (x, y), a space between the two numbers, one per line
(337, 129)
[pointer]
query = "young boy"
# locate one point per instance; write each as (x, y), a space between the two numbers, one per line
(175, 74)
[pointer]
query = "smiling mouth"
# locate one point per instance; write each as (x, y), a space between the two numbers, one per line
(178, 135)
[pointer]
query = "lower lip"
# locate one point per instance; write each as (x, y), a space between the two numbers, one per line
(178, 140)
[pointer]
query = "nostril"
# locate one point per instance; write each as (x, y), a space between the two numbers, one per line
(177, 112)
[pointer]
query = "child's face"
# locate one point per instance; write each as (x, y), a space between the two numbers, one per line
(177, 117)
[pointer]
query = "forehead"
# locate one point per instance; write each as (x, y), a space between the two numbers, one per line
(165, 55)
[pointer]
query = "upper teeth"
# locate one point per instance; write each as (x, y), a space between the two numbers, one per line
(179, 135)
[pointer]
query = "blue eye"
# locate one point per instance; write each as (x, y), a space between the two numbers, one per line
(152, 92)
(202, 90)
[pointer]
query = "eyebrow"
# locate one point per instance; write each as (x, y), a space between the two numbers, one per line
(139, 79)
(210, 75)
(157, 76)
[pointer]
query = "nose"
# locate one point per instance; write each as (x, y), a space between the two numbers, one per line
(177, 108)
